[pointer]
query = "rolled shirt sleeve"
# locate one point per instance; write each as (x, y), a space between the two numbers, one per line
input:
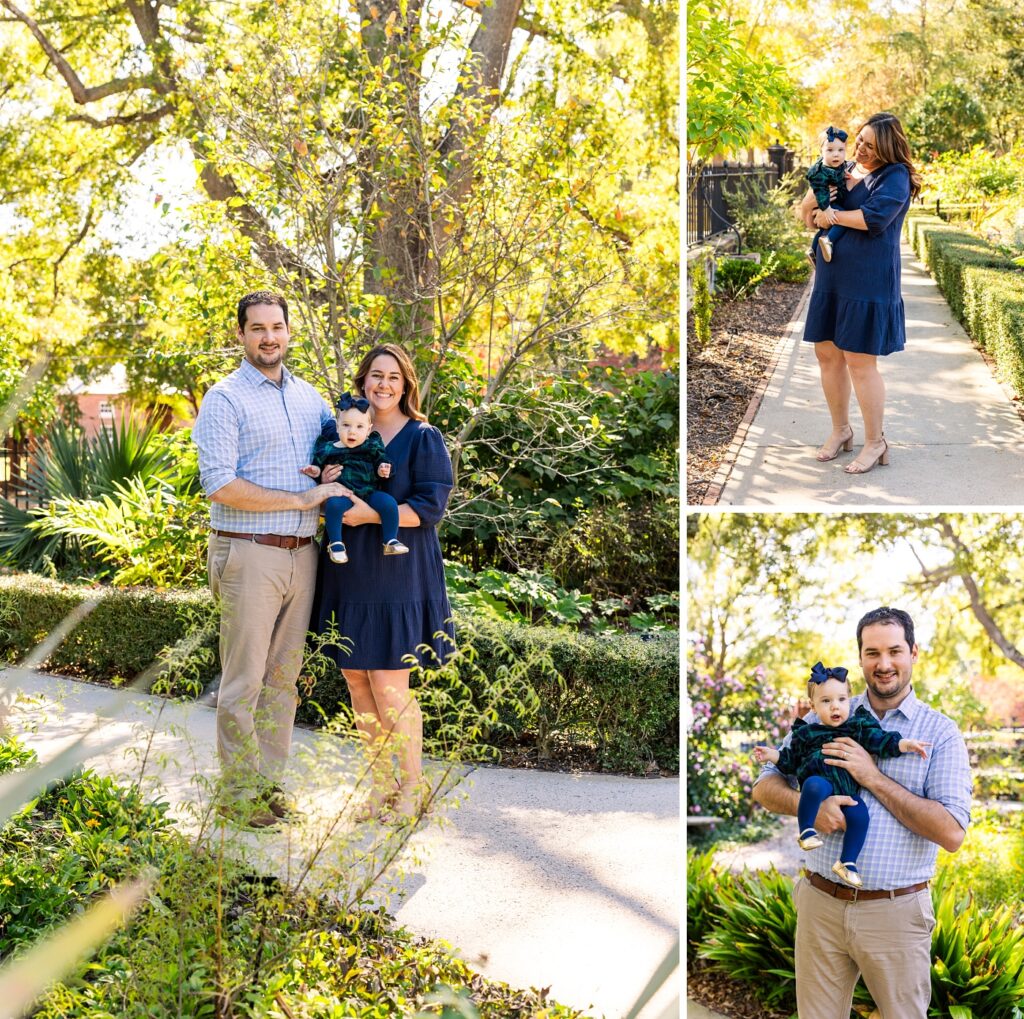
(949, 775)
(890, 195)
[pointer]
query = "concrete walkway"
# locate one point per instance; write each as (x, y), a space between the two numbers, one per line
(956, 437)
(540, 879)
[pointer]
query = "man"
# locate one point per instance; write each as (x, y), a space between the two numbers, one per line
(254, 431)
(883, 930)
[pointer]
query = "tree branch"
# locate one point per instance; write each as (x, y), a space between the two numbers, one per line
(140, 117)
(981, 612)
(81, 93)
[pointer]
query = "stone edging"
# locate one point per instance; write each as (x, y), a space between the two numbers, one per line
(714, 492)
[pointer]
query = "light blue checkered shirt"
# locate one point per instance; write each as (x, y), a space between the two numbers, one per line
(893, 856)
(250, 428)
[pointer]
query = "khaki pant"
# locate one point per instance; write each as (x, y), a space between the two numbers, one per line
(266, 594)
(887, 940)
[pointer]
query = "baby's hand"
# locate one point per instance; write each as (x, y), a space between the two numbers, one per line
(384, 470)
(914, 746)
(762, 754)
(310, 470)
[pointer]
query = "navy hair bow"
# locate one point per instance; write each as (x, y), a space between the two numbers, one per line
(347, 401)
(832, 134)
(819, 674)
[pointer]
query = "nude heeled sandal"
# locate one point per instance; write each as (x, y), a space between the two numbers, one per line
(858, 468)
(844, 446)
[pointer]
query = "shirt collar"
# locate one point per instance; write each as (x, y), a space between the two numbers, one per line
(908, 707)
(255, 377)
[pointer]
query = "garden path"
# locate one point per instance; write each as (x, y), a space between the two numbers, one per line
(957, 439)
(540, 879)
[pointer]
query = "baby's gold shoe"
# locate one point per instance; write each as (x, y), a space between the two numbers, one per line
(809, 839)
(848, 873)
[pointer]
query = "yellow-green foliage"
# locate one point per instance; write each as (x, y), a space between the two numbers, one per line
(703, 305)
(984, 289)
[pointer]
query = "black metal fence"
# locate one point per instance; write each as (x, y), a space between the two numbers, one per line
(706, 210)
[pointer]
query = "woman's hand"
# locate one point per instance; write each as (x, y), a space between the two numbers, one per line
(360, 513)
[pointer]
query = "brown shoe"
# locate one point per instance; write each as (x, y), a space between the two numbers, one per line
(249, 814)
(280, 805)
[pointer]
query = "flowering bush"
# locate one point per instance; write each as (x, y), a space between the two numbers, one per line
(728, 715)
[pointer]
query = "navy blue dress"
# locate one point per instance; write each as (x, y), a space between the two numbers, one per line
(856, 302)
(388, 605)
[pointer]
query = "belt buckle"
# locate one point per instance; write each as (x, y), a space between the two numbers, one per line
(291, 543)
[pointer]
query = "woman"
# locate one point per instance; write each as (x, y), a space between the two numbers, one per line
(387, 606)
(856, 309)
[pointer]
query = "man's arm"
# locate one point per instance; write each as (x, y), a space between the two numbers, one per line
(927, 818)
(924, 817)
(244, 495)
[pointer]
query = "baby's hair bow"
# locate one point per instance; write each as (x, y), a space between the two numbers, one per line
(832, 134)
(819, 674)
(347, 401)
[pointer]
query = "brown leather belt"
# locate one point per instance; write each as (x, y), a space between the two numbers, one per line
(289, 541)
(859, 894)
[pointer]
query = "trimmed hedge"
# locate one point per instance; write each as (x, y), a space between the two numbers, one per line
(618, 697)
(984, 288)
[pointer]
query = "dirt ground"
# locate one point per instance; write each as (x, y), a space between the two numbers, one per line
(721, 378)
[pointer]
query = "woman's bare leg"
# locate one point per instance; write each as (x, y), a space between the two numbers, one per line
(835, 383)
(369, 724)
(870, 389)
(402, 722)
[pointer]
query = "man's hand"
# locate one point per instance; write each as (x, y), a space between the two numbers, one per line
(319, 495)
(849, 755)
(331, 471)
(384, 470)
(830, 818)
(310, 470)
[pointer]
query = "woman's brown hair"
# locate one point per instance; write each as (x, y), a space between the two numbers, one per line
(409, 404)
(891, 145)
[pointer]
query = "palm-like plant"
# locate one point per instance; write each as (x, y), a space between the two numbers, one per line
(70, 466)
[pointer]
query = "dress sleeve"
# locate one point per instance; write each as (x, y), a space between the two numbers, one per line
(430, 470)
(887, 199)
(377, 450)
(215, 434)
(323, 448)
(874, 739)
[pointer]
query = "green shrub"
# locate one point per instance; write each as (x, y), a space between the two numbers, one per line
(129, 629)
(985, 290)
(617, 697)
(707, 886)
(977, 957)
(737, 278)
(79, 838)
(621, 550)
(213, 938)
(754, 937)
(765, 218)
(791, 268)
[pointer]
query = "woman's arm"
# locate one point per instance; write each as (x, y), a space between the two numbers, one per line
(853, 218)
(806, 209)
(363, 513)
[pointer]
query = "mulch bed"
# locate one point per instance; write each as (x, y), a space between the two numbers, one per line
(712, 989)
(722, 378)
